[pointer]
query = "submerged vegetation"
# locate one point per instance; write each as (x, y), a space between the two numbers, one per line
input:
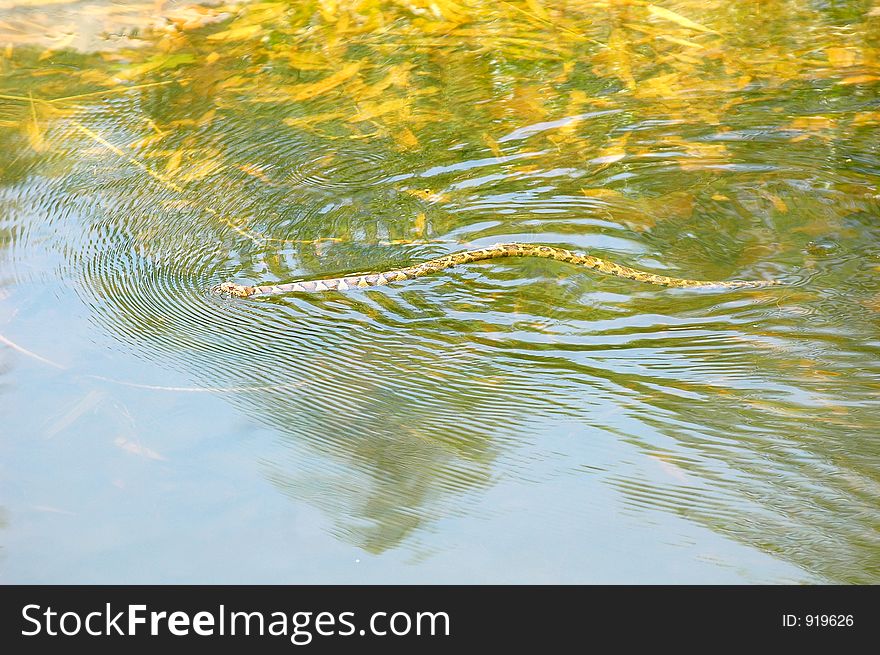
(597, 83)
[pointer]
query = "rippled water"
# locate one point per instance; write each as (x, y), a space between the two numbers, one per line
(510, 421)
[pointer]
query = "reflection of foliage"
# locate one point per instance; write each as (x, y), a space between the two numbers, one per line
(268, 139)
(338, 83)
(399, 470)
(389, 70)
(395, 74)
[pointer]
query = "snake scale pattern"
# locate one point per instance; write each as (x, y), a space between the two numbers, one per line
(363, 280)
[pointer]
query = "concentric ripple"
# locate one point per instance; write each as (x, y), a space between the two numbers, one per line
(338, 171)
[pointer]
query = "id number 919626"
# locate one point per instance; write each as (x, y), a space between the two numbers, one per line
(818, 620)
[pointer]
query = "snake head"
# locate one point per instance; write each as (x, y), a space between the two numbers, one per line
(236, 290)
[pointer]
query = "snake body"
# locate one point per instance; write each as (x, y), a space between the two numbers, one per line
(364, 280)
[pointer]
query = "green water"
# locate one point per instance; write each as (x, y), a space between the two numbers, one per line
(510, 421)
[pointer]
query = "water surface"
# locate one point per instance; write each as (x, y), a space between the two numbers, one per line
(508, 421)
